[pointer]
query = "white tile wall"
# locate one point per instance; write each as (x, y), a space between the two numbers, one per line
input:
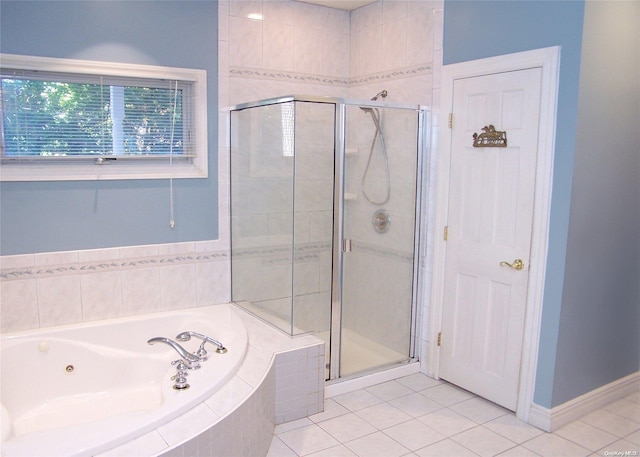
(58, 288)
(429, 206)
(390, 44)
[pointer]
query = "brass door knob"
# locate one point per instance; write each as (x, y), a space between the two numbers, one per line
(517, 264)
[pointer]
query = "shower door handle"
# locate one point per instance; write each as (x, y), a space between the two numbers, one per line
(346, 245)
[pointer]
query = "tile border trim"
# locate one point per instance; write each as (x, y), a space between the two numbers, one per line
(292, 76)
(43, 271)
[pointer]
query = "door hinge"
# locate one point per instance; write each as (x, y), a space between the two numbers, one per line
(439, 338)
(450, 123)
(445, 233)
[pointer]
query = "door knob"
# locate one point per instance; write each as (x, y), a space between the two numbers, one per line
(517, 264)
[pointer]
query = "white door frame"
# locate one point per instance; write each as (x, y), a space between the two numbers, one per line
(548, 59)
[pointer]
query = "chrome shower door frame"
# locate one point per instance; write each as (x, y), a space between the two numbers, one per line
(337, 274)
(338, 227)
(335, 336)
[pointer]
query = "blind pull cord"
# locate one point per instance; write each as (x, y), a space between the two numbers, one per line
(172, 222)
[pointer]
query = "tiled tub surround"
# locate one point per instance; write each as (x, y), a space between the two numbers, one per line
(59, 288)
(279, 380)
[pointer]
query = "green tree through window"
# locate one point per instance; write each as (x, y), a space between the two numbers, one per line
(56, 118)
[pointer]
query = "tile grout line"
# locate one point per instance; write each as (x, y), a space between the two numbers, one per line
(481, 425)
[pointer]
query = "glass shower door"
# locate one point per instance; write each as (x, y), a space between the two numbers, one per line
(379, 212)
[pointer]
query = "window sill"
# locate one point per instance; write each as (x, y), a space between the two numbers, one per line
(92, 172)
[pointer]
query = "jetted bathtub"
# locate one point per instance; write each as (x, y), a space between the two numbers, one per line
(82, 389)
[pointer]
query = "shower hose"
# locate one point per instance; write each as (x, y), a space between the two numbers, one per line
(375, 115)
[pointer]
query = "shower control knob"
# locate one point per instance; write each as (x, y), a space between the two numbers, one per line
(381, 221)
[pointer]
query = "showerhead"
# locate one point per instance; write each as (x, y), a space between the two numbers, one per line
(382, 94)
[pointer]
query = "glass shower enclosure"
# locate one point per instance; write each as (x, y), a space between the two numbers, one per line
(324, 210)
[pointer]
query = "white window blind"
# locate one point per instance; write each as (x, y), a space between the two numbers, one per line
(87, 115)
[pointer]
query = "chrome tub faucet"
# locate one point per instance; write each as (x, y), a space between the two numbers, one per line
(202, 353)
(192, 361)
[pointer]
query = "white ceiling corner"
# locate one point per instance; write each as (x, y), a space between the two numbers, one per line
(340, 4)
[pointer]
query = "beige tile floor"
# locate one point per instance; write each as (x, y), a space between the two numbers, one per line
(419, 416)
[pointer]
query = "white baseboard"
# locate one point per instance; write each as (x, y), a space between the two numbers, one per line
(540, 417)
(559, 416)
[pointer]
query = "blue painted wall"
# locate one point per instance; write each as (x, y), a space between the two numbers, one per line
(53, 216)
(577, 353)
(599, 337)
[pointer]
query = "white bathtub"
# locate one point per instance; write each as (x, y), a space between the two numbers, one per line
(80, 390)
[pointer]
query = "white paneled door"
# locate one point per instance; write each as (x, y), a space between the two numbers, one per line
(489, 226)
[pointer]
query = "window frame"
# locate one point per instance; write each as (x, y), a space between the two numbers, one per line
(74, 169)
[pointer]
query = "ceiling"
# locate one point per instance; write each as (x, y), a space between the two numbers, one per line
(340, 4)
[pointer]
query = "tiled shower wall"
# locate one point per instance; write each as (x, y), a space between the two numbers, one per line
(299, 48)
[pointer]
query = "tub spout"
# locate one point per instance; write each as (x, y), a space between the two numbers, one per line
(202, 353)
(191, 360)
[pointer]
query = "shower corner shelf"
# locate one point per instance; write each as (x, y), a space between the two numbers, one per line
(350, 196)
(351, 151)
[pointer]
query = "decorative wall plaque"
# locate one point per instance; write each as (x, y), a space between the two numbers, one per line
(491, 138)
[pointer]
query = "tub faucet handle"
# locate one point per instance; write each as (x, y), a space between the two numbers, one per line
(180, 365)
(179, 374)
(180, 379)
